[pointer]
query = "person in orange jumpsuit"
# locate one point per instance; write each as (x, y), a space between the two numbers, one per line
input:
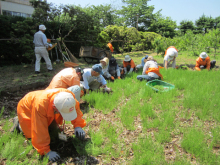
(128, 64)
(203, 62)
(68, 78)
(38, 109)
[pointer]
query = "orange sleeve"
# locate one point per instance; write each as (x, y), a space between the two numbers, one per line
(124, 65)
(79, 121)
(197, 65)
(208, 63)
(132, 64)
(39, 128)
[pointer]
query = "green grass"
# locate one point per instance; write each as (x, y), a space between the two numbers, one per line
(135, 124)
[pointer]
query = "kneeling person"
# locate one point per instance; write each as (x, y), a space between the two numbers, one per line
(93, 79)
(203, 62)
(37, 110)
(150, 70)
(128, 64)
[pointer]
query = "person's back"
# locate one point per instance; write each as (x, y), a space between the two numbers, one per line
(65, 79)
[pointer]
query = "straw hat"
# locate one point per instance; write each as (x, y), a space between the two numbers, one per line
(106, 60)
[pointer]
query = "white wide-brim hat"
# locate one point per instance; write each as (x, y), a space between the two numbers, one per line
(42, 27)
(203, 55)
(65, 103)
(127, 58)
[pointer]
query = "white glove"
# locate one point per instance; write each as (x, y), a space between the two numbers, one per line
(131, 70)
(50, 45)
(125, 69)
(53, 156)
(79, 133)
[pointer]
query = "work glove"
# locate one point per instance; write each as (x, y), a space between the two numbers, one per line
(125, 69)
(79, 133)
(50, 45)
(131, 70)
(53, 156)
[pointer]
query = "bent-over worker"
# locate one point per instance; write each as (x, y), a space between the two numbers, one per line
(170, 56)
(37, 110)
(68, 78)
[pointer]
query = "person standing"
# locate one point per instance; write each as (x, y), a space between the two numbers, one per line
(170, 56)
(41, 45)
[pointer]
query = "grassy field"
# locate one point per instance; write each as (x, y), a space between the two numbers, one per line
(136, 125)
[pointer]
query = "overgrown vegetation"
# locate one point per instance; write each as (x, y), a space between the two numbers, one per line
(136, 125)
(98, 25)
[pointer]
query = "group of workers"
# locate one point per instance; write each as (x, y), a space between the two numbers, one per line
(40, 111)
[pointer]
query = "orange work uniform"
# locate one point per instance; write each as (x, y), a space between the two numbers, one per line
(64, 79)
(35, 113)
(200, 62)
(155, 70)
(131, 63)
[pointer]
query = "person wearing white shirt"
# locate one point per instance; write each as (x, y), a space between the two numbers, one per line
(150, 70)
(93, 79)
(41, 45)
(170, 56)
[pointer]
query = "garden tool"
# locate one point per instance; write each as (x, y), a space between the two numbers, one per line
(58, 60)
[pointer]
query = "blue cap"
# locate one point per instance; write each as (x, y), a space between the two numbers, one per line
(146, 56)
(97, 68)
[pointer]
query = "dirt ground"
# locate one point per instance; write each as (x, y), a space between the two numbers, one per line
(16, 81)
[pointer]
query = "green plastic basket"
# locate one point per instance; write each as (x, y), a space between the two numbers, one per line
(160, 86)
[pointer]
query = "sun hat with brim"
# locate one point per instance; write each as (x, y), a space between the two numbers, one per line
(42, 27)
(97, 68)
(106, 60)
(171, 52)
(203, 55)
(127, 58)
(65, 103)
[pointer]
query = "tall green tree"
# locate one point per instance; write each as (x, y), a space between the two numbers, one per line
(163, 26)
(186, 25)
(204, 23)
(217, 22)
(136, 13)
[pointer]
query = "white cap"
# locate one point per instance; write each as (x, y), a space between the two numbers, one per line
(42, 27)
(127, 58)
(171, 52)
(203, 55)
(65, 103)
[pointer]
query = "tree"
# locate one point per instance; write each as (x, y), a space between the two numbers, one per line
(204, 24)
(217, 22)
(186, 25)
(214, 39)
(163, 26)
(136, 13)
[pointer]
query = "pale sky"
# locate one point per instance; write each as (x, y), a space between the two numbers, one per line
(178, 10)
